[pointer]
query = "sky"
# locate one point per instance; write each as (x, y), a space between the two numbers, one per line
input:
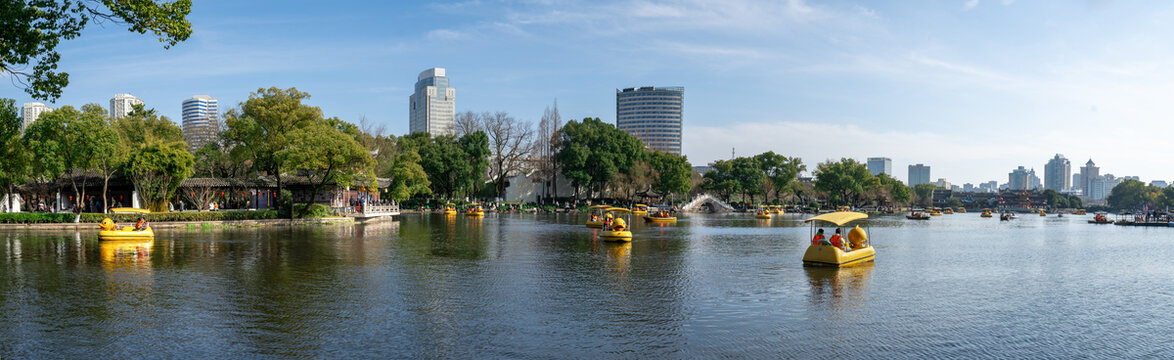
(972, 88)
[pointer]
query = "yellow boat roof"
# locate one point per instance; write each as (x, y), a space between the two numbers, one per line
(449, 204)
(641, 205)
(600, 206)
(839, 218)
(474, 204)
(130, 210)
(616, 209)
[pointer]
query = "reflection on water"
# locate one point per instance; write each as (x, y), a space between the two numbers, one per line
(839, 288)
(543, 286)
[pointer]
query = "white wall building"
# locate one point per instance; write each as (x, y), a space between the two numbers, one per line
(30, 112)
(432, 108)
(121, 104)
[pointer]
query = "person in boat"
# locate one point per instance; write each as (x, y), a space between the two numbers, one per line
(594, 217)
(141, 224)
(818, 237)
(837, 239)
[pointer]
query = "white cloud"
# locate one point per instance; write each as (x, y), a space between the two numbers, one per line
(970, 4)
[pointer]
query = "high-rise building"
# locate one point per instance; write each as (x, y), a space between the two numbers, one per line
(122, 104)
(1057, 173)
(1159, 183)
(432, 108)
(1019, 179)
(877, 165)
(1088, 174)
(653, 115)
(201, 121)
(29, 112)
(918, 174)
(1077, 183)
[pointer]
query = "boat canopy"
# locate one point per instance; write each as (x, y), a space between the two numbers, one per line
(130, 210)
(616, 209)
(641, 205)
(839, 218)
(600, 206)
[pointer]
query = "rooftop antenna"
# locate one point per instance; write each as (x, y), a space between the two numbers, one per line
(732, 156)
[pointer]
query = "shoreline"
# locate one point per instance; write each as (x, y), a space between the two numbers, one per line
(185, 224)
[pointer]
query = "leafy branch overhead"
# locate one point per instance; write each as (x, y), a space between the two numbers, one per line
(30, 31)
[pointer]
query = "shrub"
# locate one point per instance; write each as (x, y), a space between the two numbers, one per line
(316, 211)
(93, 218)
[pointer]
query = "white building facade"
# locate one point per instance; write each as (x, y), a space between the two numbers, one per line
(122, 104)
(879, 165)
(432, 108)
(652, 114)
(201, 121)
(29, 112)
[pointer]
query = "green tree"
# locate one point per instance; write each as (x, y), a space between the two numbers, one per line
(13, 157)
(671, 173)
(67, 142)
(781, 172)
(475, 147)
(33, 29)
(408, 178)
(844, 180)
(262, 128)
(213, 161)
(896, 190)
(157, 168)
(1132, 194)
(749, 175)
(721, 180)
(328, 156)
(592, 152)
(923, 194)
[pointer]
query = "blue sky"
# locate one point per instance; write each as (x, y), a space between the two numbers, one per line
(971, 88)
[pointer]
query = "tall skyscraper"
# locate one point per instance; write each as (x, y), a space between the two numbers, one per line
(1020, 179)
(1058, 173)
(29, 112)
(653, 115)
(1088, 175)
(1077, 183)
(122, 104)
(877, 165)
(432, 108)
(918, 174)
(201, 121)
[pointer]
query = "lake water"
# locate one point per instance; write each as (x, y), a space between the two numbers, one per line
(541, 286)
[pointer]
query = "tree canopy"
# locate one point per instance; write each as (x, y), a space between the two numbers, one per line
(33, 29)
(592, 152)
(844, 181)
(327, 155)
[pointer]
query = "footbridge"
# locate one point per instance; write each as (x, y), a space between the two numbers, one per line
(370, 212)
(706, 203)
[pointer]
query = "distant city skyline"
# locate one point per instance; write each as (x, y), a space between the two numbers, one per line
(973, 88)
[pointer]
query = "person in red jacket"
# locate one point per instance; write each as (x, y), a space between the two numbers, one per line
(818, 237)
(836, 239)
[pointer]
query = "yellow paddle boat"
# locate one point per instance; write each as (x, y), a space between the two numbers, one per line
(948, 211)
(778, 209)
(660, 217)
(1042, 213)
(110, 231)
(986, 213)
(640, 209)
(598, 213)
(855, 251)
(450, 209)
(961, 210)
(763, 212)
(935, 212)
(617, 230)
(1079, 212)
(475, 210)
